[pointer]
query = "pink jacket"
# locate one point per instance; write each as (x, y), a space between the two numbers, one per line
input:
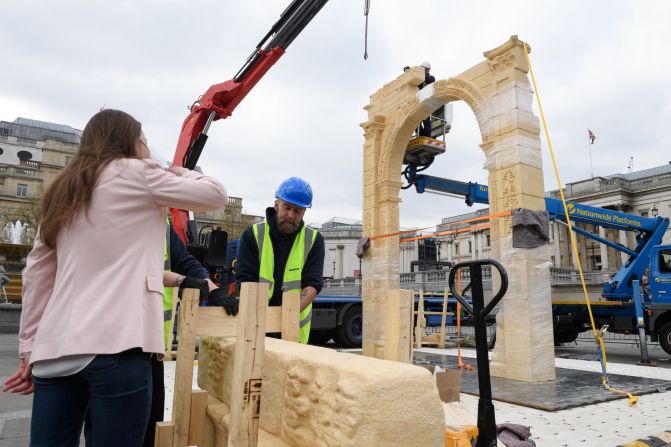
(101, 290)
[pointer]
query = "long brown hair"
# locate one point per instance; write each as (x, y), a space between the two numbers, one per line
(109, 135)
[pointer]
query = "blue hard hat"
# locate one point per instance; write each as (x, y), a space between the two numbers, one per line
(296, 191)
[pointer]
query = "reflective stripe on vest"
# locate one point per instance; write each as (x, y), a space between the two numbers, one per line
(167, 292)
(293, 271)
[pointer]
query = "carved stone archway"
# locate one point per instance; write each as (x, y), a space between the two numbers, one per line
(499, 93)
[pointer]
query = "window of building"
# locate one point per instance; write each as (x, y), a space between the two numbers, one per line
(470, 247)
(456, 249)
(554, 263)
(644, 213)
(489, 242)
(68, 159)
(22, 190)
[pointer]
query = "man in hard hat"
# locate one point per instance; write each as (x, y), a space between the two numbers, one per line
(425, 127)
(284, 252)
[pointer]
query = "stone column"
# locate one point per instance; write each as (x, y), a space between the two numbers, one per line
(581, 242)
(525, 345)
(474, 247)
(603, 249)
(394, 110)
(623, 241)
(557, 244)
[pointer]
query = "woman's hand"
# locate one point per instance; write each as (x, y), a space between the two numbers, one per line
(21, 382)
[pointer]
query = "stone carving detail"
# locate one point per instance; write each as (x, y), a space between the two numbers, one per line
(315, 397)
(500, 97)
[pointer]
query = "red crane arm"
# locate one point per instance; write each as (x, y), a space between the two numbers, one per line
(220, 100)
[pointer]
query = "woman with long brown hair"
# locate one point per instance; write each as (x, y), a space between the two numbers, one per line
(92, 288)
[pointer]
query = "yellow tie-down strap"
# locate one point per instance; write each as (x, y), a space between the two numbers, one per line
(598, 335)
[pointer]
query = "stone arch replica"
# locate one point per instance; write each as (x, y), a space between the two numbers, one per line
(499, 93)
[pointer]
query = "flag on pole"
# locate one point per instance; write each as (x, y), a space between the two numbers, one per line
(591, 136)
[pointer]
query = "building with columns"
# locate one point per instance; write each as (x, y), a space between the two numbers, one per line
(645, 193)
(32, 153)
(341, 236)
(231, 219)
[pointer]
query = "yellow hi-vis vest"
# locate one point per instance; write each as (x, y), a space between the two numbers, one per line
(291, 282)
(167, 294)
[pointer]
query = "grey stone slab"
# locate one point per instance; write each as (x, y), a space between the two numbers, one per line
(23, 441)
(572, 388)
(15, 428)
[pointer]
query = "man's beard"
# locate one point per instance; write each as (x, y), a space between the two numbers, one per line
(286, 227)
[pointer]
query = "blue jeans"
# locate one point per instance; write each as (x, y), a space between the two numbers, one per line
(114, 388)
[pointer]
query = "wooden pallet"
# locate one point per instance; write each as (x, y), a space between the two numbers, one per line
(435, 339)
(249, 327)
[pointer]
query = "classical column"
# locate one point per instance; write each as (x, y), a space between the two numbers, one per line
(557, 244)
(623, 241)
(474, 247)
(603, 249)
(525, 345)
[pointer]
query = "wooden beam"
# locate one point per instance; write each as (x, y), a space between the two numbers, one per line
(181, 402)
(409, 314)
(398, 326)
(248, 365)
(420, 324)
(198, 416)
(215, 321)
(441, 344)
(291, 311)
(163, 436)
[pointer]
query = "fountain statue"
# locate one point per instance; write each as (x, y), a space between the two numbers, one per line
(16, 233)
(14, 248)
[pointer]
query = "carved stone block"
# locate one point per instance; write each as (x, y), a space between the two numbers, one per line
(314, 396)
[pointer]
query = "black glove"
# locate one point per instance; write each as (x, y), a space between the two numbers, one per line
(229, 303)
(195, 283)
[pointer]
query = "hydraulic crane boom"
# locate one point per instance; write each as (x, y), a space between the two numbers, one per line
(220, 100)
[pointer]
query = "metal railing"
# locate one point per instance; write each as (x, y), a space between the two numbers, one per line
(436, 280)
(28, 170)
(571, 277)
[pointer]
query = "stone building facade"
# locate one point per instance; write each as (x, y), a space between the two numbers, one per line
(645, 193)
(32, 153)
(341, 236)
(231, 219)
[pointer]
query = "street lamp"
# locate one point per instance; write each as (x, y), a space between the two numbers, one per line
(654, 211)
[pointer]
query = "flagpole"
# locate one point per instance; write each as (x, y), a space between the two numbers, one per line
(589, 148)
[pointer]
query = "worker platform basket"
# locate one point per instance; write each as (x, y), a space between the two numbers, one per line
(422, 150)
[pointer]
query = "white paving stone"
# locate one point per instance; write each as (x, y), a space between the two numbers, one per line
(600, 425)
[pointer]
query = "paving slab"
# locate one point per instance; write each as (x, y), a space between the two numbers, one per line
(572, 388)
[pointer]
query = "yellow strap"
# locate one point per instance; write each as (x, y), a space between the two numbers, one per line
(574, 245)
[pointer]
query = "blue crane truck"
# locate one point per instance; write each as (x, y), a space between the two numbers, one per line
(637, 298)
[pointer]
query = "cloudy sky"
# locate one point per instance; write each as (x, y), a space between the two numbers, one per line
(603, 65)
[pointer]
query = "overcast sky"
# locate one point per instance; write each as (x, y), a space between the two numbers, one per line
(603, 65)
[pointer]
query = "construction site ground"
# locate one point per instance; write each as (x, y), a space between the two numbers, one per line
(608, 423)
